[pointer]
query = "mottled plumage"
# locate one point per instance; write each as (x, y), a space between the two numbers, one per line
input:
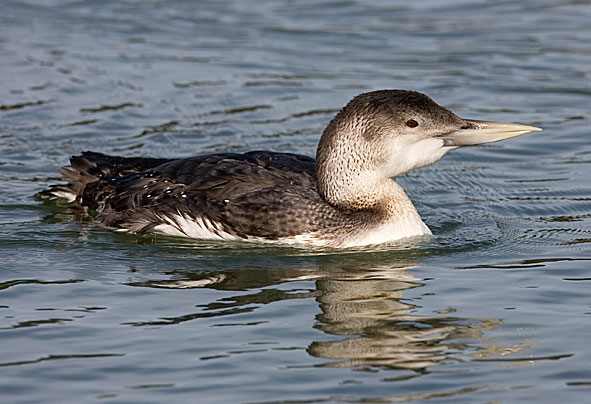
(348, 196)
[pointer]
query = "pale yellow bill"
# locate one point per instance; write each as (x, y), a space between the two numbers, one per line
(480, 132)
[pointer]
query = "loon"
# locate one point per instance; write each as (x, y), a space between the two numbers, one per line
(348, 196)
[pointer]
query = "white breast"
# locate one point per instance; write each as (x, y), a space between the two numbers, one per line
(404, 228)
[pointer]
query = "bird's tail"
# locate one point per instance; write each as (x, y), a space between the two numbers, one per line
(90, 167)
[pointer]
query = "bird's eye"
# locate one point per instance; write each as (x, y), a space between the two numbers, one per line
(411, 123)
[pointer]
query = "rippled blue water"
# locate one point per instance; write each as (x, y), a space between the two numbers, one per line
(494, 308)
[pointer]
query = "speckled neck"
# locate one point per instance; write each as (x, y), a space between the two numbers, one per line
(345, 167)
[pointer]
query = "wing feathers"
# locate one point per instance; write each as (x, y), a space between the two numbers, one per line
(257, 194)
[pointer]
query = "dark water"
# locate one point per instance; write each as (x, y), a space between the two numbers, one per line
(494, 309)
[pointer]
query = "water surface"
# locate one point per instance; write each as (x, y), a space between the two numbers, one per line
(494, 308)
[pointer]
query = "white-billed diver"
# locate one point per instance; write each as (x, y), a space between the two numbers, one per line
(347, 197)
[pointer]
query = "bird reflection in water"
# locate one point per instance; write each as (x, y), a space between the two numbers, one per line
(366, 309)
(380, 329)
